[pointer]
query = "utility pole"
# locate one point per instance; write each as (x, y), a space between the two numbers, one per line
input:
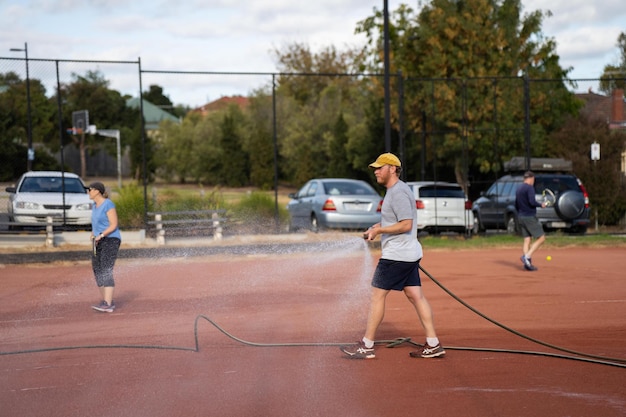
(31, 153)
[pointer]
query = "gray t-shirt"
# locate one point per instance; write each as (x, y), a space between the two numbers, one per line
(399, 204)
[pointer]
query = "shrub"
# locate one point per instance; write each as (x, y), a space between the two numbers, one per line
(256, 213)
(130, 207)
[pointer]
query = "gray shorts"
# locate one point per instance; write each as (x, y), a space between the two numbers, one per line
(530, 226)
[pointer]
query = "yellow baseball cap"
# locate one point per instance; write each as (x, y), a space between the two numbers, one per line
(386, 159)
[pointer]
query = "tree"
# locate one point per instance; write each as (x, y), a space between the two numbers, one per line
(234, 170)
(107, 108)
(313, 89)
(603, 179)
(465, 63)
(259, 143)
(14, 119)
(614, 75)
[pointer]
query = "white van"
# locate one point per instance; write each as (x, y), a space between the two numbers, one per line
(442, 207)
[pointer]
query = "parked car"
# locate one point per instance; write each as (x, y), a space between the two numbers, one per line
(334, 203)
(40, 194)
(568, 209)
(442, 207)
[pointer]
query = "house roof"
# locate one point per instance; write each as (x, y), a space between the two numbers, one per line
(610, 109)
(152, 114)
(222, 103)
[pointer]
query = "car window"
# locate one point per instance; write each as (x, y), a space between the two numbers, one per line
(346, 188)
(441, 191)
(514, 187)
(495, 188)
(506, 189)
(51, 185)
(312, 189)
(556, 184)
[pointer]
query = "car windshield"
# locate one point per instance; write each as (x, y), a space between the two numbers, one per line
(51, 185)
(441, 191)
(346, 188)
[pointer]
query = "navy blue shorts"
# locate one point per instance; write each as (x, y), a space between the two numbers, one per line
(395, 275)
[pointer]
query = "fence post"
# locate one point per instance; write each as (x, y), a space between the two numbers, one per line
(49, 232)
(160, 238)
(218, 228)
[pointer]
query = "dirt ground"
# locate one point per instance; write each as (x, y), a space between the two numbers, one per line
(281, 316)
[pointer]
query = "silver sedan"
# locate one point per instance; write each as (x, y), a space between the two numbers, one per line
(334, 203)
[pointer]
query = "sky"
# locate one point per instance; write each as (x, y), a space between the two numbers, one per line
(236, 36)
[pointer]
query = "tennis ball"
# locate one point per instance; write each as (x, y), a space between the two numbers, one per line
(548, 258)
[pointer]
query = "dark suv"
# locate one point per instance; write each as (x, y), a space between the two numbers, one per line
(568, 211)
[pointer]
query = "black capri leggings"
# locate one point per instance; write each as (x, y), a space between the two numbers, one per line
(103, 261)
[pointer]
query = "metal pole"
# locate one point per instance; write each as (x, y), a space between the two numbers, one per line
(386, 76)
(527, 119)
(274, 134)
(119, 161)
(31, 153)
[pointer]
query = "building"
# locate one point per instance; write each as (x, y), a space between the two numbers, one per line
(608, 108)
(221, 104)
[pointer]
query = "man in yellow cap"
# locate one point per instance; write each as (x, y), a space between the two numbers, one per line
(398, 267)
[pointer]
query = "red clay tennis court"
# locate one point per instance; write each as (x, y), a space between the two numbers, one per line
(281, 316)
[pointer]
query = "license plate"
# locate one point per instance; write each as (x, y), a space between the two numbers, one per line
(356, 207)
(559, 225)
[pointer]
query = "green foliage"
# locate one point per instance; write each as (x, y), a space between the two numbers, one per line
(602, 179)
(174, 200)
(463, 62)
(13, 160)
(259, 144)
(129, 204)
(614, 76)
(256, 213)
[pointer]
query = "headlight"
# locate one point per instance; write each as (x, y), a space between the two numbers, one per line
(84, 206)
(26, 205)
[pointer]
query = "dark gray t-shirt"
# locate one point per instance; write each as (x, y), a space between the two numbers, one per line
(399, 204)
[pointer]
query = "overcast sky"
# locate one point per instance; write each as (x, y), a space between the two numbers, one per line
(237, 36)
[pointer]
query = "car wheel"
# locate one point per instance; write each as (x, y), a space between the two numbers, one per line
(511, 225)
(315, 227)
(570, 205)
(478, 226)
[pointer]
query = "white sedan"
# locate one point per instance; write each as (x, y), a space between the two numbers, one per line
(40, 194)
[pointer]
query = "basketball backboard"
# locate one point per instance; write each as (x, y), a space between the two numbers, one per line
(80, 121)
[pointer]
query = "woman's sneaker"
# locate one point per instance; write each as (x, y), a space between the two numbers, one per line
(104, 307)
(429, 351)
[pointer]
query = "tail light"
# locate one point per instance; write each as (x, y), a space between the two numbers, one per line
(329, 205)
(585, 194)
(419, 204)
(468, 205)
(380, 206)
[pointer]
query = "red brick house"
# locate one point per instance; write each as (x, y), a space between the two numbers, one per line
(608, 108)
(222, 103)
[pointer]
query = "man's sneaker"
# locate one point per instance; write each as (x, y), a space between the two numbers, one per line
(358, 351)
(528, 265)
(428, 352)
(104, 307)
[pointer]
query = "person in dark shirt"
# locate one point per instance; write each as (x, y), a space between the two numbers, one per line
(531, 228)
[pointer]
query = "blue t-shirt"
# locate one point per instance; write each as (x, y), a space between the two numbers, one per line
(100, 221)
(525, 201)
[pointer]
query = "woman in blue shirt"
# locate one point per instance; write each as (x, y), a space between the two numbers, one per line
(106, 238)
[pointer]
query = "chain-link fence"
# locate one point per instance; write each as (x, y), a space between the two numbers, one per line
(457, 130)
